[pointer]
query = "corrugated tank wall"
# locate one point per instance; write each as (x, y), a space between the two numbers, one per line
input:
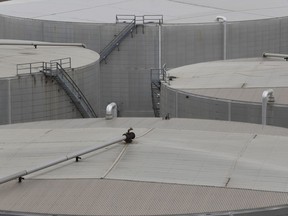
(184, 105)
(125, 79)
(34, 97)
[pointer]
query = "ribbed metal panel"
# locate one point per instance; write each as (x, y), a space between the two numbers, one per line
(112, 197)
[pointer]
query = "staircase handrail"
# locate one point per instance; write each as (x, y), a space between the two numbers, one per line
(75, 86)
(115, 42)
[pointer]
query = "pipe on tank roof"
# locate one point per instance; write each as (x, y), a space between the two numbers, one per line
(42, 44)
(276, 55)
(127, 137)
(267, 97)
(111, 111)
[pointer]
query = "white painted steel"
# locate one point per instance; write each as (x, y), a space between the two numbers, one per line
(111, 111)
(277, 55)
(223, 20)
(267, 94)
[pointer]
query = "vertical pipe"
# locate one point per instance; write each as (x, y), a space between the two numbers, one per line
(266, 96)
(225, 40)
(176, 105)
(160, 46)
(229, 110)
(264, 111)
(223, 20)
(9, 102)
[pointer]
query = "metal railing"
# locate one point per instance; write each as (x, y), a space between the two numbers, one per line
(29, 68)
(125, 18)
(153, 19)
(64, 62)
(117, 40)
(144, 19)
(155, 90)
(36, 67)
(74, 92)
(132, 21)
(56, 69)
(158, 75)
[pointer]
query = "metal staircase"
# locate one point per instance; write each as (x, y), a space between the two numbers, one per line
(132, 21)
(155, 91)
(55, 69)
(117, 40)
(158, 76)
(71, 89)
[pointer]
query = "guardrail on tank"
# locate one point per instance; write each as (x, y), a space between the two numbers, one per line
(36, 67)
(139, 19)
(30, 68)
(74, 92)
(117, 40)
(56, 69)
(131, 21)
(155, 90)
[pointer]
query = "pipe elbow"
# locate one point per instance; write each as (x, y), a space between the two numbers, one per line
(266, 93)
(111, 111)
(221, 19)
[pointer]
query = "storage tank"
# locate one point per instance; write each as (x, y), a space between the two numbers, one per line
(229, 90)
(30, 88)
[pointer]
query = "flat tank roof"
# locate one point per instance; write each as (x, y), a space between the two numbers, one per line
(24, 52)
(238, 79)
(174, 11)
(173, 166)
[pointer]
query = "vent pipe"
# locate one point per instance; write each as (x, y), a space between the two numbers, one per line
(111, 111)
(275, 55)
(223, 20)
(267, 97)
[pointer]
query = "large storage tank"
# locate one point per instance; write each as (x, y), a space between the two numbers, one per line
(172, 167)
(29, 94)
(228, 90)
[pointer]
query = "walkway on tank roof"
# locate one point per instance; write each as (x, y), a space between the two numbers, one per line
(174, 11)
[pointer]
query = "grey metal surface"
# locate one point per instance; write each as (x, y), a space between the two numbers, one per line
(166, 170)
(232, 74)
(125, 79)
(21, 54)
(174, 123)
(175, 11)
(113, 197)
(227, 90)
(76, 155)
(31, 97)
(115, 43)
(163, 152)
(73, 91)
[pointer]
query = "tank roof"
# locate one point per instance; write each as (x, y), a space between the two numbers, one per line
(174, 11)
(169, 161)
(238, 79)
(23, 52)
